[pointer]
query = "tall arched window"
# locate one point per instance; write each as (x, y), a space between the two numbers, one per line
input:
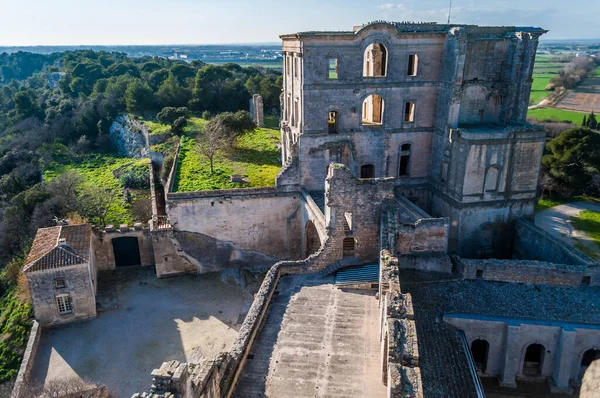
(404, 160)
(373, 110)
(534, 359)
(332, 122)
(375, 61)
(479, 350)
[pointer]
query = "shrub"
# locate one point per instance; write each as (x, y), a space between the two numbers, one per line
(136, 177)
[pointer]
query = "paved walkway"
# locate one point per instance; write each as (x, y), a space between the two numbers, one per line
(317, 341)
(557, 222)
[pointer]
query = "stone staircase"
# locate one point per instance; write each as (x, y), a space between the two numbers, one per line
(340, 264)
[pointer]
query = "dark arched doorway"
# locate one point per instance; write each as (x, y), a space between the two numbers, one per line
(588, 357)
(534, 359)
(127, 251)
(313, 243)
(348, 249)
(479, 350)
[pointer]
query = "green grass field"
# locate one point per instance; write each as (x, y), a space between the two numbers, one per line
(589, 222)
(556, 114)
(255, 156)
(538, 88)
(15, 324)
(98, 170)
(547, 202)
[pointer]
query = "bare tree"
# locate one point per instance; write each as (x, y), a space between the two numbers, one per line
(215, 139)
(95, 202)
(67, 186)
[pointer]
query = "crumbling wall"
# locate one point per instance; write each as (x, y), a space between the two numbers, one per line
(23, 377)
(525, 271)
(257, 110)
(261, 219)
(533, 243)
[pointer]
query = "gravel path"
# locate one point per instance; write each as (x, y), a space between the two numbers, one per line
(557, 222)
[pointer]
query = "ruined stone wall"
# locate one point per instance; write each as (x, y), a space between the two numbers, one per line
(524, 271)
(24, 375)
(169, 261)
(261, 219)
(508, 340)
(533, 243)
(78, 284)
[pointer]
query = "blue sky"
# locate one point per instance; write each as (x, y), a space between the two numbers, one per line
(63, 22)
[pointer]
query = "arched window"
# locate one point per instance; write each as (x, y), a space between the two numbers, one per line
(367, 171)
(373, 110)
(491, 179)
(404, 160)
(479, 350)
(588, 357)
(375, 61)
(332, 122)
(534, 359)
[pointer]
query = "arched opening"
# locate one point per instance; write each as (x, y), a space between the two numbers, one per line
(588, 357)
(487, 236)
(404, 160)
(348, 247)
(491, 179)
(313, 243)
(534, 358)
(373, 110)
(375, 61)
(332, 122)
(479, 350)
(367, 171)
(127, 251)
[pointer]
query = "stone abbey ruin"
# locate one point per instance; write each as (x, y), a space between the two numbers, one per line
(401, 256)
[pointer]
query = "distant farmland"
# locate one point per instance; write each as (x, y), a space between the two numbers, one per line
(584, 98)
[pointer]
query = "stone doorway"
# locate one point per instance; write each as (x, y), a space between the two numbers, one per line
(479, 350)
(349, 246)
(534, 358)
(127, 251)
(313, 243)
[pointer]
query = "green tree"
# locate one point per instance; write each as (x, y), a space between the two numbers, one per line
(182, 72)
(592, 122)
(171, 93)
(574, 157)
(584, 123)
(138, 96)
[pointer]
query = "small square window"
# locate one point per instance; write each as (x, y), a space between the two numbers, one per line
(586, 280)
(479, 274)
(65, 304)
(333, 68)
(59, 283)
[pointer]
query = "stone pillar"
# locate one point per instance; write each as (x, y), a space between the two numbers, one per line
(563, 362)
(257, 110)
(512, 354)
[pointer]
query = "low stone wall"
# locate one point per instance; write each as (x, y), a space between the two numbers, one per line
(28, 361)
(399, 345)
(173, 172)
(533, 243)
(525, 271)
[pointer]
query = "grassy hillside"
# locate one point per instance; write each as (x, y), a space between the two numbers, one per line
(103, 171)
(255, 157)
(15, 324)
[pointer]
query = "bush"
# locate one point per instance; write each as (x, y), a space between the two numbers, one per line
(136, 177)
(166, 167)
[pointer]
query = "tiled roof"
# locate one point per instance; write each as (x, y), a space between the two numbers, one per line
(47, 253)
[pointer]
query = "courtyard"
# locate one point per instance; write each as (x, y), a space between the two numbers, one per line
(182, 318)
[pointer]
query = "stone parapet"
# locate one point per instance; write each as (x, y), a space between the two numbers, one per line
(28, 361)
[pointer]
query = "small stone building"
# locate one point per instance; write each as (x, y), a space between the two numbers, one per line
(61, 274)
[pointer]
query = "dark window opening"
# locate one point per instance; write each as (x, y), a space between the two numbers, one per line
(534, 356)
(367, 171)
(59, 283)
(348, 247)
(127, 251)
(332, 122)
(375, 60)
(404, 169)
(479, 274)
(479, 350)
(586, 280)
(413, 62)
(409, 112)
(588, 357)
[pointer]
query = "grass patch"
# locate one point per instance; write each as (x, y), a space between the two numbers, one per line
(98, 170)
(155, 128)
(538, 88)
(547, 202)
(589, 222)
(255, 156)
(15, 325)
(558, 114)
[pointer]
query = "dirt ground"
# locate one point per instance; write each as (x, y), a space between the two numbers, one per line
(157, 320)
(585, 98)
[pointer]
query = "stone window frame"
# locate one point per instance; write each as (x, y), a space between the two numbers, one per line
(362, 107)
(416, 64)
(413, 122)
(404, 153)
(64, 304)
(544, 357)
(337, 120)
(376, 40)
(337, 67)
(59, 283)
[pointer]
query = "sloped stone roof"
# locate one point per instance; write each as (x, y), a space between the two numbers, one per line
(47, 252)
